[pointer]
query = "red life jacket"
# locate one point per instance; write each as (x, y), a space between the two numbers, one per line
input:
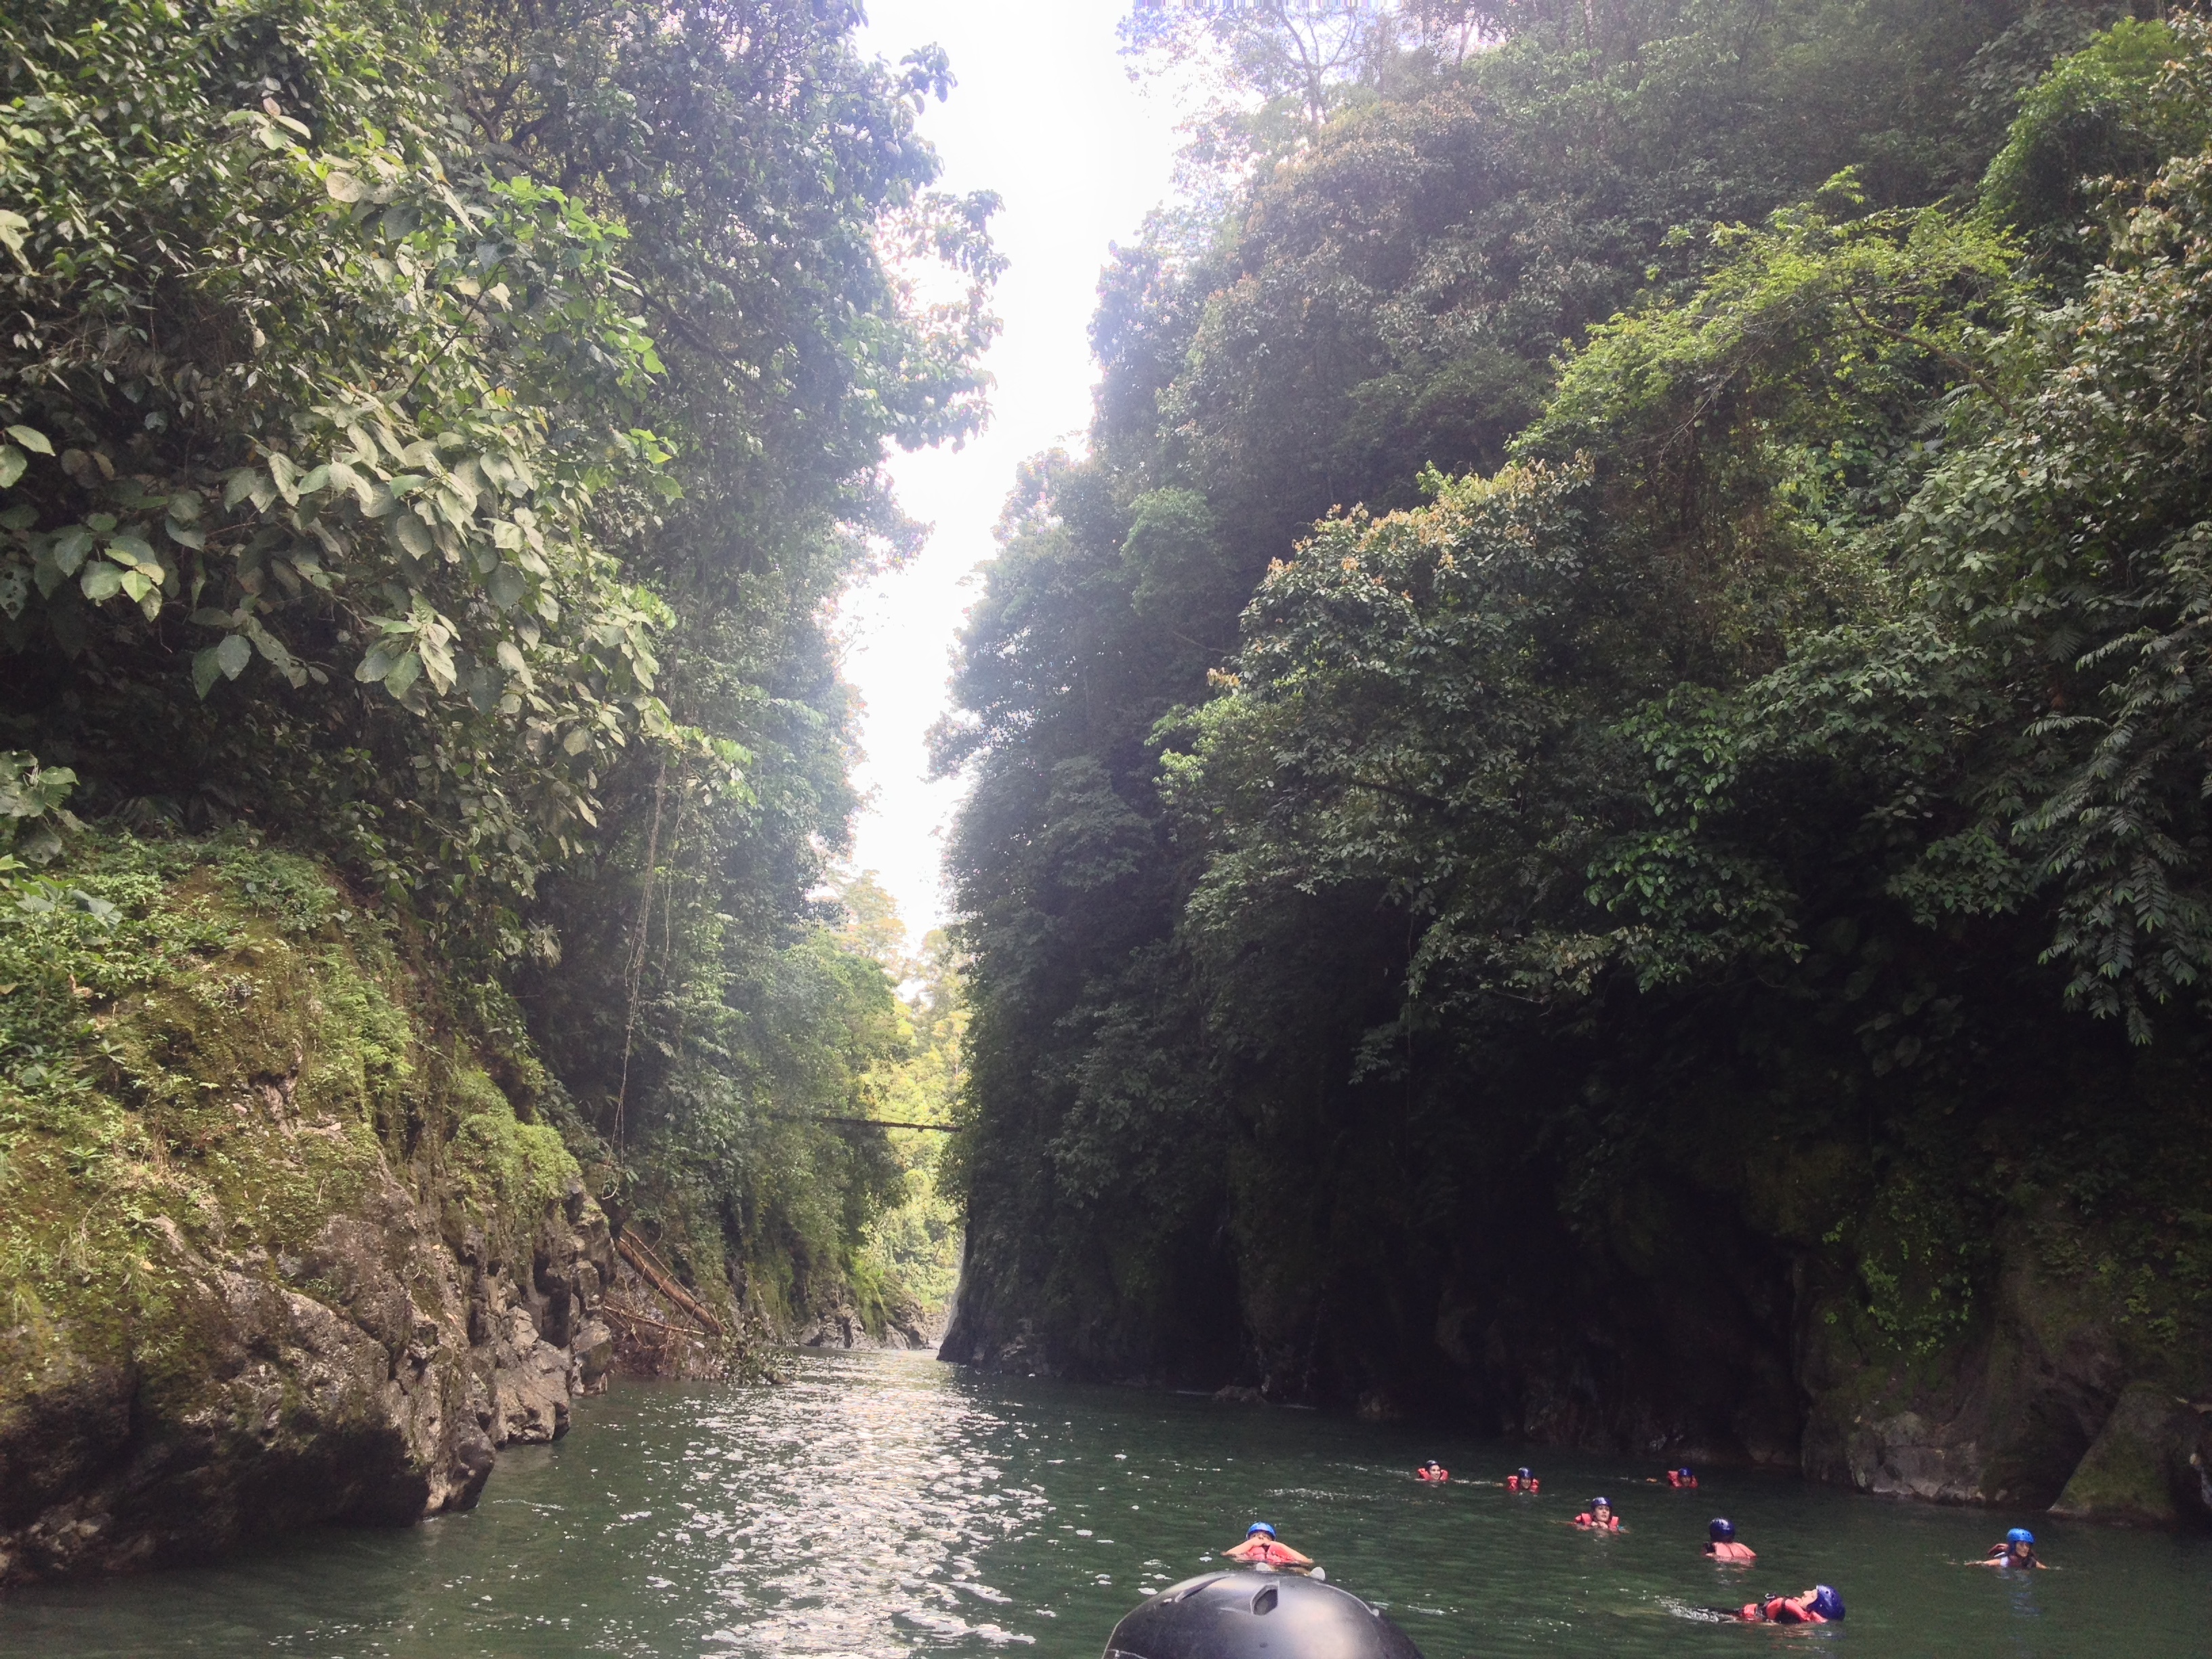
(1675, 1479)
(1439, 1477)
(1611, 1523)
(1515, 1483)
(1784, 1610)
(1731, 1551)
(1266, 1552)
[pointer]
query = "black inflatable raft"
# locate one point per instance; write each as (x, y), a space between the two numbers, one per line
(1257, 1615)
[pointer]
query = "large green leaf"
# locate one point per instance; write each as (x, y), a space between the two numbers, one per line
(400, 678)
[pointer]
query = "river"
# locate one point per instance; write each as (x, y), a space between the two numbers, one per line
(885, 1504)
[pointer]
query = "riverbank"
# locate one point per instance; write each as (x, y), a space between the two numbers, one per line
(2061, 1390)
(293, 1225)
(285, 1235)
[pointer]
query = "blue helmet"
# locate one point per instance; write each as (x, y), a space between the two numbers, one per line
(1258, 1526)
(2019, 1536)
(1826, 1603)
(1600, 1503)
(1523, 1474)
(1722, 1531)
(1684, 1473)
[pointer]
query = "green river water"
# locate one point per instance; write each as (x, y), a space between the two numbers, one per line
(885, 1504)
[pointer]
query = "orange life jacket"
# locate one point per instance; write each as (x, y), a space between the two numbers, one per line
(1611, 1523)
(1439, 1477)
(1731, 1551)
(1515, 1483)
(1675, 1479)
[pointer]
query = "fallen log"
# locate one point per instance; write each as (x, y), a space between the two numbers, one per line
(667, 1286)
(612, 1312)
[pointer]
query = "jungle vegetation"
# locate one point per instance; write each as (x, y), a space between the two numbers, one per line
(1607, 739)
(435, 436)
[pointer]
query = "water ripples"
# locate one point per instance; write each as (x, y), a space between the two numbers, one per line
(886, 1505)
(847, 1515)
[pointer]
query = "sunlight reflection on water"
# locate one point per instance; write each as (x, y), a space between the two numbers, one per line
(886, 1505)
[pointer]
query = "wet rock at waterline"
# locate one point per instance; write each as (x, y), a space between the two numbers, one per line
(2048, 1394)
(278, 1251)
(2053, 1399)
(843, 1326)
(2151, 1463)
(338, 1386)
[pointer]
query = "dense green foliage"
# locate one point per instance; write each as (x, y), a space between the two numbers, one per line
(435, 433)
(912, 1248)
(1638, 937)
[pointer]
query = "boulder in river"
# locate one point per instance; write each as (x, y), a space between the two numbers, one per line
(277, 1252)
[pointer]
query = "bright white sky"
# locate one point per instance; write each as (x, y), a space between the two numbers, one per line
(1046, 115)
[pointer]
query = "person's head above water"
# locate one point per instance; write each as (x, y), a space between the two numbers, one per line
(1826, 1603)
(1524, 1474)
(1259, 1528)
(1722, 1531)
(1597, 1503)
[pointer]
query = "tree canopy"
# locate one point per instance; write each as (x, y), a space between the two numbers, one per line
(434, 437)
(1605, 743)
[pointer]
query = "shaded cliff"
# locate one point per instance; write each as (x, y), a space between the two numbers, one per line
(2076, 1375)
(1681, 924)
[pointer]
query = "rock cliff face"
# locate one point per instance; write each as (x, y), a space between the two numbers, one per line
(2067, 1381)
(380, 1398)
(842, 1327)
(2057, 1398)
(274, 1251)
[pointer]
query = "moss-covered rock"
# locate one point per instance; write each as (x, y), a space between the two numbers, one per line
(274, 1249)
(2148, 1465)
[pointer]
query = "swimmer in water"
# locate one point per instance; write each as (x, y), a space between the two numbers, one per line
(1817, 1606)
(1681, 1479)
(1261, 1548)
(2018, 1550)
(1522, 1480)
(1433, 1472)
(1599, 1517)
(1722, 1545)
